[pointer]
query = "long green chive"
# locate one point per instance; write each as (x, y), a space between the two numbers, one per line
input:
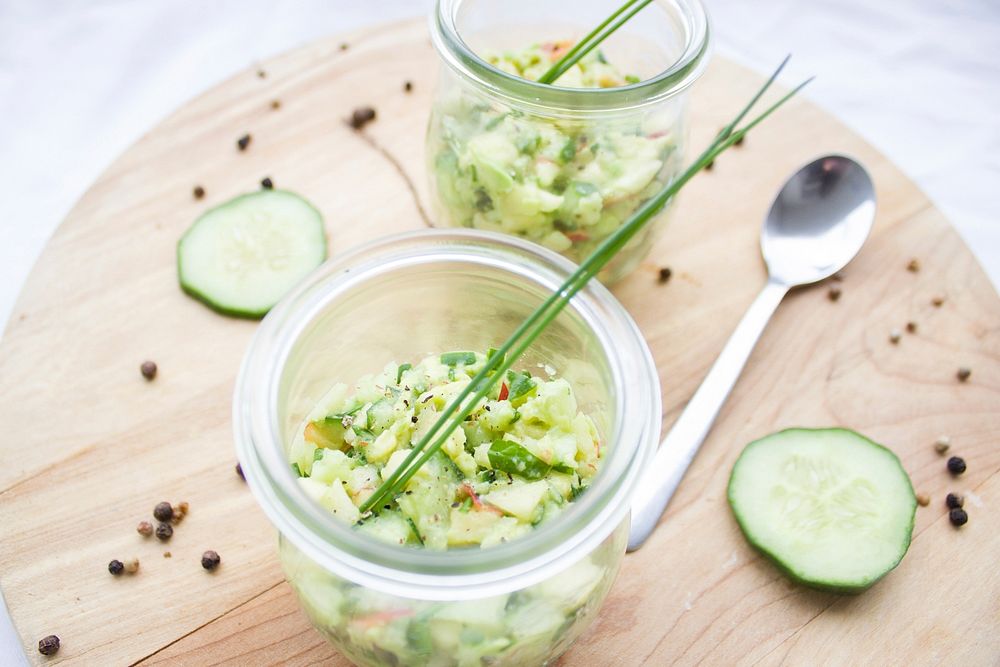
(595, 37)
(504, 357)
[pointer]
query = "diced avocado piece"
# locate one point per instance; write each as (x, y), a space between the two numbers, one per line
(470, 527)
(333, 464)
(520, 501)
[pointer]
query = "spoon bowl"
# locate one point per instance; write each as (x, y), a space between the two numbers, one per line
(816, 225)
(819, 221)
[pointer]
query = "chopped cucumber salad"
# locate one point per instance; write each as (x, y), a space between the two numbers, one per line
(518, 460)
(565, 184)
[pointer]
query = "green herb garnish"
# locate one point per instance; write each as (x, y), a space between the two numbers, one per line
(297, 470)
(511, 350)
(402, 369)
(456, 358)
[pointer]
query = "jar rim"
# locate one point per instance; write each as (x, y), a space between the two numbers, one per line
(673, 80)
(461, 573)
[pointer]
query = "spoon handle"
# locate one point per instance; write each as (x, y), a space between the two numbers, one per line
(677, 450)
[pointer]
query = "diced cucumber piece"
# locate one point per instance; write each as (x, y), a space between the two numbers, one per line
(240, 258)
(520, 501)
(831, 508)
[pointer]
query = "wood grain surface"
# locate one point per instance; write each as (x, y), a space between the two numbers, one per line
(88, 446)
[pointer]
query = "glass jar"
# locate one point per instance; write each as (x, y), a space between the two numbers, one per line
(518, 603)
(563, 167)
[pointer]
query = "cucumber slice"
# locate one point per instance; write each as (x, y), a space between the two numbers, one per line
(241, 257)
(831, 508)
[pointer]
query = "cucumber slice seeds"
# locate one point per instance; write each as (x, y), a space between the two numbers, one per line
(831, 508)
(241, 257)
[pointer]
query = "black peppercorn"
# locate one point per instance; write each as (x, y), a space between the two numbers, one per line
(243, 142)
(267, 183)
(956, 465)
(163, 511)
(963, 374)
(408, 86)
(148, 370)
(954, 501)
(164, 532)
(48, 645)
(833, 293)
(198, 192)
(664, 274)
(361, 117)
(958, 517)
(210, 560)
(116, 567)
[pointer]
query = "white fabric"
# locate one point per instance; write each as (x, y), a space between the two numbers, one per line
(82, 80)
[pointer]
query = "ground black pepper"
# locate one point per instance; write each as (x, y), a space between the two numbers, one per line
(164, 532)
(243, 142)
(958, 517)
(210, 560)
(48, 645)
(148, 370)
(163, 511)
(954, 501)
(956, 465)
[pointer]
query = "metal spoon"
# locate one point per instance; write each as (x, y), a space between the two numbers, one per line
(816, 225)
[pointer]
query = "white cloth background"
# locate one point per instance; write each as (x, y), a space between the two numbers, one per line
(80, 80)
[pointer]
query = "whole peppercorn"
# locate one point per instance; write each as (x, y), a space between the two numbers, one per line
(116, 567)
(664, 274)
(132, 565)
(144, 528)
(913, 265)
(243, 142)
(198, 192)
(163, 511)
(954, 501)
(148, 370)
(956, 465)
(361, 117)
(963, 374)
(923, 499)
(408, 86)
(958, 517)
(48, 645)
(275, 104)
(210, 560)
(266, 183)
(911, 327)
(164, 532)
(833, 294)
(942, 445)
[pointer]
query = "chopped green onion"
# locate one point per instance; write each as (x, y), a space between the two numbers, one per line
(456, 358)
(402, 369)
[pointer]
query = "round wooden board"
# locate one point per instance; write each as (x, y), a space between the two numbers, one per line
(89, 447)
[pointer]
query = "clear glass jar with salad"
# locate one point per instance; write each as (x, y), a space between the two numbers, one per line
(508, 541)
(562, 165)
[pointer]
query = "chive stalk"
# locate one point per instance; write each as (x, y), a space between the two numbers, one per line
(498, 363)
